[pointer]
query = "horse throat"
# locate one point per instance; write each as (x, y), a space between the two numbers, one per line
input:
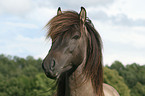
(75, 84)
(78, 85)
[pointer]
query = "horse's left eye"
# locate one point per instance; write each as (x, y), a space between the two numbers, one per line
(76, 37)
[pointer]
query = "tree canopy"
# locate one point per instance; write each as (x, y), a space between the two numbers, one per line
(25, 77)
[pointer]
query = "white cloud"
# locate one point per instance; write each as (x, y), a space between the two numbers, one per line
(118, 19)
(120, 24)
(132, 36)
(85, 3)
(136, 39)
(17, 7)
(73, 4)
(126, 35)
(24, 46)
(24, 7)
(41, 15)
(122, 43)
(23, 25)
(124, 58)
(132, 8)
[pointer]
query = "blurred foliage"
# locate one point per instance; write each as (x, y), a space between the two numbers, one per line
(133, 75)
(25, 77)
(112, 78)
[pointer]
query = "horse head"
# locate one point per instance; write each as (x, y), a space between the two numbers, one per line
(69, 43)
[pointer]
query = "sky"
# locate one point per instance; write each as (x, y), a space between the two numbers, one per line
(121, 24)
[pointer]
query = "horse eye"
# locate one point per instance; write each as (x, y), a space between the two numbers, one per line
(76, 37)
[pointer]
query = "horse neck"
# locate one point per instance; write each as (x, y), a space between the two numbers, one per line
(78, 86)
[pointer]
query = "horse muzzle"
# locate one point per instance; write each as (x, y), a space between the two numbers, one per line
(49, 69)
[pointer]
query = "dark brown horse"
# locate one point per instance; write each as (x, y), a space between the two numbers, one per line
(75, 57)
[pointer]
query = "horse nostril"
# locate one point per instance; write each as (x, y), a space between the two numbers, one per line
(52, 64)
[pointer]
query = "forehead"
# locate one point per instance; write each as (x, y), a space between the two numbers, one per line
(67, 34)
(61, 40)
(62, 23)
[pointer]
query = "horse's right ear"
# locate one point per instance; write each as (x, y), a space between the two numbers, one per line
(83, 14)
(59, 11)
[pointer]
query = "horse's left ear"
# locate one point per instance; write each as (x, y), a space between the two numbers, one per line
(83, 14)
(59, 11)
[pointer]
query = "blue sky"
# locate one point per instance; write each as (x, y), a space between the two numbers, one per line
(121, 24)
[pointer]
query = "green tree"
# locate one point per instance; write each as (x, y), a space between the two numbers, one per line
(117, 65)
(112, 78)
(25, 77)
(129, 73)
(141, 74)
(138, 90)
(44, 85)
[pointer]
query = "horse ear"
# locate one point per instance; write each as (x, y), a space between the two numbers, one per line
(59, 11)
(83, 14)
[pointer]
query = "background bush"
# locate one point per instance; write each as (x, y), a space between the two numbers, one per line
(25, 77)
